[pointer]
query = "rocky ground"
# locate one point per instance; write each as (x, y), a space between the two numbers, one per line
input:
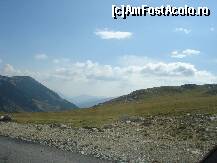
(183, 139)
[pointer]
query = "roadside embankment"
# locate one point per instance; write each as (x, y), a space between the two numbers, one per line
(185, 138)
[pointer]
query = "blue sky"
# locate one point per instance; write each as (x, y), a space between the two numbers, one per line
(62, 44)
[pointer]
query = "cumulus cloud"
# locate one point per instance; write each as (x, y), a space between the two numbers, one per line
(93, 78)
(119, 79)
(41, 56)
(109, 34)
(184, 53)
(9, 70)
(90, 70)
(185, 30)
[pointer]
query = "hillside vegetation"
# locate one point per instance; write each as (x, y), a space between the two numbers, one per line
(23, 93)
(154, 101)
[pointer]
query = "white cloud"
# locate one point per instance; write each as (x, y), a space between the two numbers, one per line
(122, 79)
(9, 70)
(97, 79)
(184, 53)
(212, 29)
(41, 56)
(185, 30)
(109, 34)
(93, 71)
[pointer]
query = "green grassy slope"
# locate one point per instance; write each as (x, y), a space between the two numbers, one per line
(155, 101)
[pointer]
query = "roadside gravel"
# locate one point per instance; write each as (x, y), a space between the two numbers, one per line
(183, 139)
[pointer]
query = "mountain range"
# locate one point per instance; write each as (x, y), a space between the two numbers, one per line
(25, 94)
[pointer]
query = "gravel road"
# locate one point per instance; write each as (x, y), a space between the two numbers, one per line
(16, 151)
(162, 139)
